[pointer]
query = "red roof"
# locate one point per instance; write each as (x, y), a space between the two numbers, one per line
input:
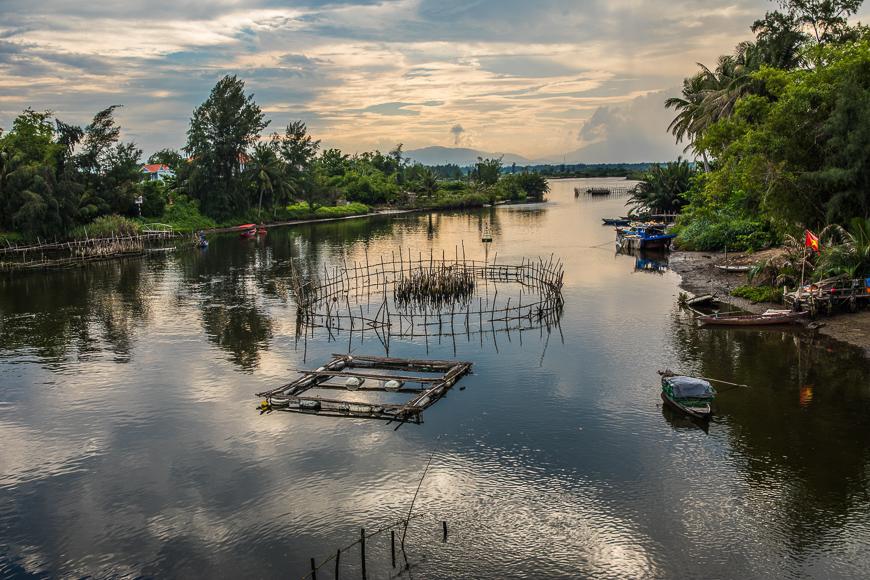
(155, 167)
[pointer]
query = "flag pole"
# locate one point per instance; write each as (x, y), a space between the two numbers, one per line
(803, 269)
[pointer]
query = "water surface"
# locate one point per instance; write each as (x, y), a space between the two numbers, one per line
(131, 445)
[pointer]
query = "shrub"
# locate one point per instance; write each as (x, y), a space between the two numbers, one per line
(184, 216)
(106, 226)
(714, 233)
(463, 201)
(757, 294)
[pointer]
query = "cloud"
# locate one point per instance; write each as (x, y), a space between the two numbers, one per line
(633, 132)
(457, 131)
(521, 76)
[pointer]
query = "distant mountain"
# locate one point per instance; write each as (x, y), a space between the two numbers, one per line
(461, 156)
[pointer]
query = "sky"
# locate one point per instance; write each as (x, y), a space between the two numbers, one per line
(550, 79)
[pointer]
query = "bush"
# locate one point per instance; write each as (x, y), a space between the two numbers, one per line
(106, 226)
(184, 216)
(464, 201)
(716, 232)
(757, 294)
(10, 238)
(153, 198)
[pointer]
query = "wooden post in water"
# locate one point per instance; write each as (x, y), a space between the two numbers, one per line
(444, 525)
(313, 570)
(393, 546)
(337, 560)
(362, 550)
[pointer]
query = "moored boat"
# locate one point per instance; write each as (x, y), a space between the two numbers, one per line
(623, 221)
(690, 395)
(247, 230)
(767, 318)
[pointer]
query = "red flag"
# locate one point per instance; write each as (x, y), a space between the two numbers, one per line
(811, 241)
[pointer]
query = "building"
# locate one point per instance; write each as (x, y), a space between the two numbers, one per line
(155, 171)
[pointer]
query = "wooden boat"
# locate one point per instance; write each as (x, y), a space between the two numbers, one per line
(726, 268)
(247, 230)
(688, 395)
(616, 221)
(768, 318)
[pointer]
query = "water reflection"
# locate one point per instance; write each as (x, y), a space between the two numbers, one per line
(98, 308)
(800, 434)
(131, 445)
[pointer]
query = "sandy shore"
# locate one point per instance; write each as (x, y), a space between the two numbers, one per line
(700, 276)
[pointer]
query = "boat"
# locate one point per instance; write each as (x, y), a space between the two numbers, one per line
(690, 395)
(247, 230)
(643, 237)
(623, 221)
(767, 318)
(727, 268)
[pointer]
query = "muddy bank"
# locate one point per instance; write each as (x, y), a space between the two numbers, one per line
(700, 276)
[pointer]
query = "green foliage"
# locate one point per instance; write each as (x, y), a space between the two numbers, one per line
(108, 225)
(664, 188)
(153, 198)
(462, 201)
(783, 126)
(170, 157)
(302, 210)
(221, 130)
(716, 231)
(845, 250)
(757, 294)
(184, 216)
(487, 171)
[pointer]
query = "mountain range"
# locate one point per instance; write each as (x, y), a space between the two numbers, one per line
(592, 154)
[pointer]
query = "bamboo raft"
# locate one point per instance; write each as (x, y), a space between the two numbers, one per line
(377, 373)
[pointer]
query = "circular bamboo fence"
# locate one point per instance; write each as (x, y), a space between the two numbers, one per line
(423, 296)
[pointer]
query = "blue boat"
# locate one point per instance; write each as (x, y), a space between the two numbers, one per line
(643, 237)
(616, 221)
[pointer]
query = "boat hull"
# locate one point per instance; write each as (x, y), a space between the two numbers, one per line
(752, 320)
(699, 413)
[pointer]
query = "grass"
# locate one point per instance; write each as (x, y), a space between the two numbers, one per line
(106, 226)
(10, 238)
(757, 294)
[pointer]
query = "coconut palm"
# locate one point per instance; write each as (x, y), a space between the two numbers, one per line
(846, 251)
(663, 188)
(268, 176)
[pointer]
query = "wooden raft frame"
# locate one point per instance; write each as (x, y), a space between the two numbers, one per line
(291, 396)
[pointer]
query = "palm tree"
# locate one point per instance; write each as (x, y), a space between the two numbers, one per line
(663, 188)
(711, 94)
(268, 175)
(846, 250)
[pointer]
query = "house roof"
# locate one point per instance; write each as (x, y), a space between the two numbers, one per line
(155, 167)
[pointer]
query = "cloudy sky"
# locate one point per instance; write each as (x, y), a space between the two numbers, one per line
(541, 79)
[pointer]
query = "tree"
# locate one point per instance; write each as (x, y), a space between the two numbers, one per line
(299, 150)
(826, 20)
(169, 157)
(221, 130)
(487, 171)
(268, 176)
(663, 188)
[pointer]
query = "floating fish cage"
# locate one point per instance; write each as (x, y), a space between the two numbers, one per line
(356, 380)
(423, 296)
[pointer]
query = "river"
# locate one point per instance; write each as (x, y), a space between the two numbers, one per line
(132, 446)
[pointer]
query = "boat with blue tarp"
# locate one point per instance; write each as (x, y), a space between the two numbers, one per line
(644, 236)
(689, 395)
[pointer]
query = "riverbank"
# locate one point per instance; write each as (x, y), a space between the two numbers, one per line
(700, 276)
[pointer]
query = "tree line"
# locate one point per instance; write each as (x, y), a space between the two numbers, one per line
(56, 177)
(780, 128)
